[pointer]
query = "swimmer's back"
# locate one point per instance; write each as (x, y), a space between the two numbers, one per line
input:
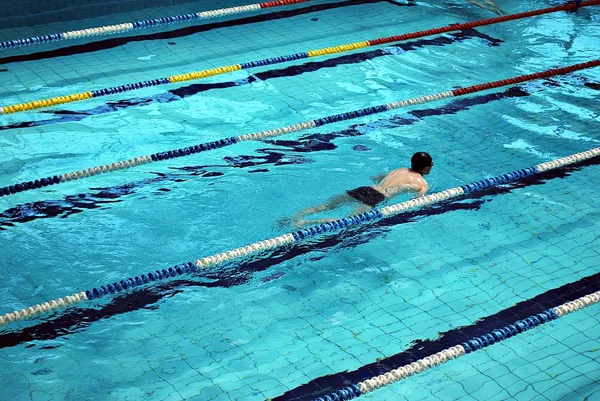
(402, 180)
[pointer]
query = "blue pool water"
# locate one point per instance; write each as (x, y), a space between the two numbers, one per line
(289, 325)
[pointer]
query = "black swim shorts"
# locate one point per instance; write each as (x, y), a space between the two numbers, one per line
(367, 195)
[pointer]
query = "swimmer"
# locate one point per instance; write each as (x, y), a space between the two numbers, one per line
(488, 5)
(398, 181)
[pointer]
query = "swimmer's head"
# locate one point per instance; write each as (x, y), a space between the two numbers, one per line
(421, 162)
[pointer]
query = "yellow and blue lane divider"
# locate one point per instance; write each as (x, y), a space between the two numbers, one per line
(130, 26)
(38, 104)
(294, 237)
(186, 151)
(473, 344)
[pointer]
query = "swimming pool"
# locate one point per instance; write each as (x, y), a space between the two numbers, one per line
(306, 319)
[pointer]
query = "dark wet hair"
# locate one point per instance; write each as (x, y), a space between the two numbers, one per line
(420, 160)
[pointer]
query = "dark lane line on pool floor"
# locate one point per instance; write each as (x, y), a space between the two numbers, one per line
(419, 349)
(291, 71)
(241, 272)
(72, 204)
(182, 32)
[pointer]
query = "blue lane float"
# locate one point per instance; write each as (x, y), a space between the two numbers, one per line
(473, 344)
(297, 236)
(130, 282)
(135, 161)
(149, 23)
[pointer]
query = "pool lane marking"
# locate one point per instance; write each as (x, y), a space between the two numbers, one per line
(77, 319)
(294, 237)
(105, 196)
(171, 154)
(150, 23)
(113, 42)
(75, 97)
(422, 347)
(473, 344)
(176, 94)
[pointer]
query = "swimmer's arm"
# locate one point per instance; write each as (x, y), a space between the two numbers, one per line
(423, 190)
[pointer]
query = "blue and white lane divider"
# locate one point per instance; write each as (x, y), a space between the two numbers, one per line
(297, 236)
(203, 147)
(76, 175)
(130, 26)
(472, 345)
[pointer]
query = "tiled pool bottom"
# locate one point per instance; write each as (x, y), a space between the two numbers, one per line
(557, 361)
(268, 327)
(257, 336)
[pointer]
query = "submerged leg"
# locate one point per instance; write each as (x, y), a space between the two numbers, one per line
(362, 208)
(332, 204)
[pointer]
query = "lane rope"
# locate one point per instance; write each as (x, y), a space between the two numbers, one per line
(75, 97)
(467, 347)
(190, 150)
(130, 26)
(294, 237)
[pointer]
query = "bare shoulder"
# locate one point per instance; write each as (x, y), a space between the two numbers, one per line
(402, 170)
(424, 185)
